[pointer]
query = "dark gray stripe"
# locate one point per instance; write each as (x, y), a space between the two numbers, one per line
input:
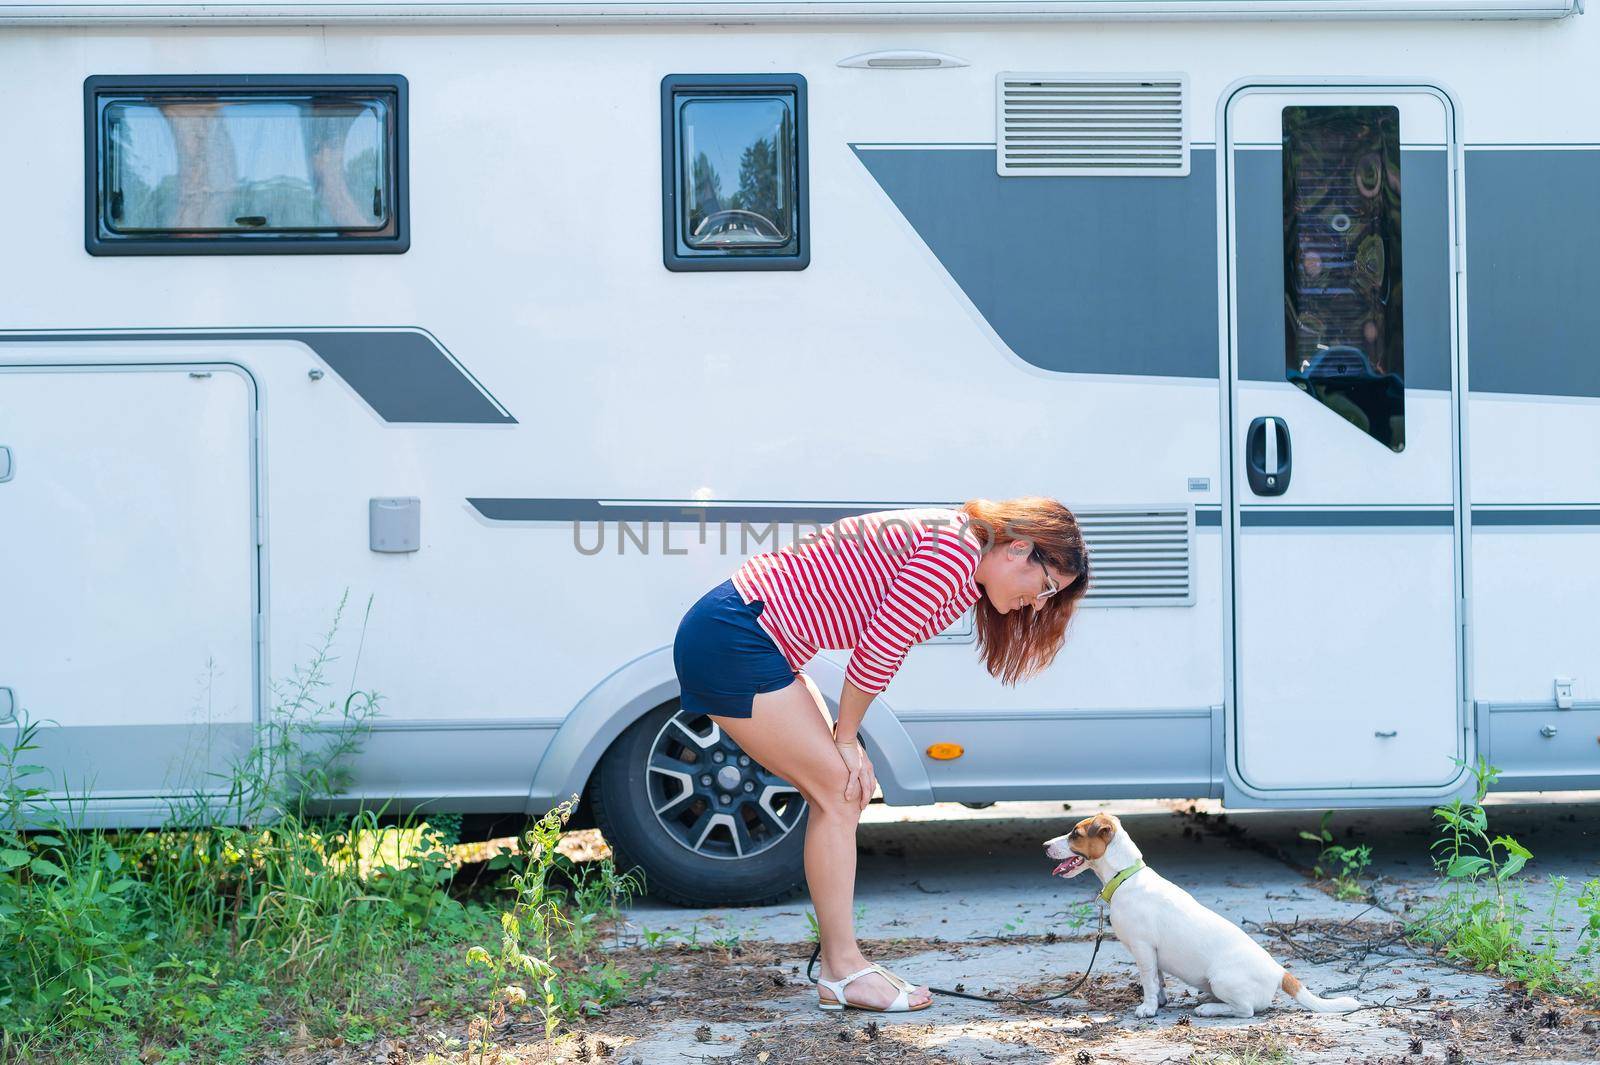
(573, 510)
(1535, 517)
(507, 509)
(1076, 274)
(404, 375)
(1344, 518)
(1425, 244)
(1532, 231)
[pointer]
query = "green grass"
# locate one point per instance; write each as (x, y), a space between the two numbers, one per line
(252, 922)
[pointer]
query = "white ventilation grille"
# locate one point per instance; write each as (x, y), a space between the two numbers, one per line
(1050, 125)
(1138, 557)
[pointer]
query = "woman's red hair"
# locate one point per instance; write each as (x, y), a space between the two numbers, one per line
(1018, 645)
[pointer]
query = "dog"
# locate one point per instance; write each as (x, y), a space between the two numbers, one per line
(1166, 931)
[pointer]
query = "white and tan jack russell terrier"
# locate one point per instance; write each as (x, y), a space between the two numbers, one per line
(1166, 931)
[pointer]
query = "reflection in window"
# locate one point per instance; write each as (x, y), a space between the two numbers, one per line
(1342, 276)
(734, 172)
(738, 191)
(245, 164)
(187, 165)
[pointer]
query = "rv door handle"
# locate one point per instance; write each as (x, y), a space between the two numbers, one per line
(1267, 456)
(1547, 731)
(7, 466)
(1386, 733)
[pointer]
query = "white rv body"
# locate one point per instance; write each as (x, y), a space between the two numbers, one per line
(195, 440)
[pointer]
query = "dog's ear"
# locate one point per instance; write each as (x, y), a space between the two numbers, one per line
(1104, 829)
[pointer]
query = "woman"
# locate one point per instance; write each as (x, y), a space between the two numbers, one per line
(876, 584)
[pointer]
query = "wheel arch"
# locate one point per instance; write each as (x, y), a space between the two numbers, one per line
(641, 685)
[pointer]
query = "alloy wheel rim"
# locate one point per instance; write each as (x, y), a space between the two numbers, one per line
(710, 797)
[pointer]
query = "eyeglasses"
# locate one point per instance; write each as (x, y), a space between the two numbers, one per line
(1050, 586)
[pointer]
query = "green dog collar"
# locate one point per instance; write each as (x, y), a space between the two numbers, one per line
(1116, 881)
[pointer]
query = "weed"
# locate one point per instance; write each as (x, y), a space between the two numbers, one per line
(1262, 1050)
(1588, 902)
(1584, 975)
(548, 934)
(1340, 864)
(728, 941)
(1480, 918)
(1079, 915)
(653, 938)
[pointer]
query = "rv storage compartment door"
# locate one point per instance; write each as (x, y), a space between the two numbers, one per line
(128, 574)
(1341, 251)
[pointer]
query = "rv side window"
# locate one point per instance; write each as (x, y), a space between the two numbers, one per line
(734, 172)
(1341, 239)
(245, 164)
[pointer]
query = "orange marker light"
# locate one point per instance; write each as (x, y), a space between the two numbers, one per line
(945, 751)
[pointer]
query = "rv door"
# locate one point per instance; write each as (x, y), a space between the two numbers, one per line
(128, 578)
(1345, 539)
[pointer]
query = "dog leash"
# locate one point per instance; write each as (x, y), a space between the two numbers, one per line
(1099, 937)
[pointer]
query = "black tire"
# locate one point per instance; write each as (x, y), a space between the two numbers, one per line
(760, 865)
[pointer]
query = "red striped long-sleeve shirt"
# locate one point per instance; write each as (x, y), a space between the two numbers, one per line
(875, 583)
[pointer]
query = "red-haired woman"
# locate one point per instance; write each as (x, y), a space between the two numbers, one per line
(876, 584)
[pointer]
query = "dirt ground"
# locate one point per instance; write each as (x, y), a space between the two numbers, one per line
(963, 900)
(752, 1005)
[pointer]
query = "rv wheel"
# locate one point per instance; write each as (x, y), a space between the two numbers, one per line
(707, 825)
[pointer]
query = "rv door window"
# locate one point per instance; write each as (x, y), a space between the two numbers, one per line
(733, 183)
(1341, 240)
(244, 164)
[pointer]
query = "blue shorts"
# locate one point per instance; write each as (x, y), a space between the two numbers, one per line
(724, 657)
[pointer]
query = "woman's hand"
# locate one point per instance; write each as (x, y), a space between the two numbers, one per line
(863, 778)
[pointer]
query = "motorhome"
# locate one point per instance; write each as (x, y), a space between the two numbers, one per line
(527, 321)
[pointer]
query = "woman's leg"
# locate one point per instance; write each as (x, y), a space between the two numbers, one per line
(788, 732)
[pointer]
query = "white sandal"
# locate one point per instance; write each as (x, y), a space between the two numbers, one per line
(901, 1003)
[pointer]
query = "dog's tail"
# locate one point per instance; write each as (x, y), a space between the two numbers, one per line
(1315, 1003)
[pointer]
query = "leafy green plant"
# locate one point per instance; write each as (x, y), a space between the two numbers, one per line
(1479, 918)
(1588, 902)
(654, 938)
(68, 909)
(1583, 973)
(1540, 966)
(546, 936)
(1339, 864)
(1079, 915)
